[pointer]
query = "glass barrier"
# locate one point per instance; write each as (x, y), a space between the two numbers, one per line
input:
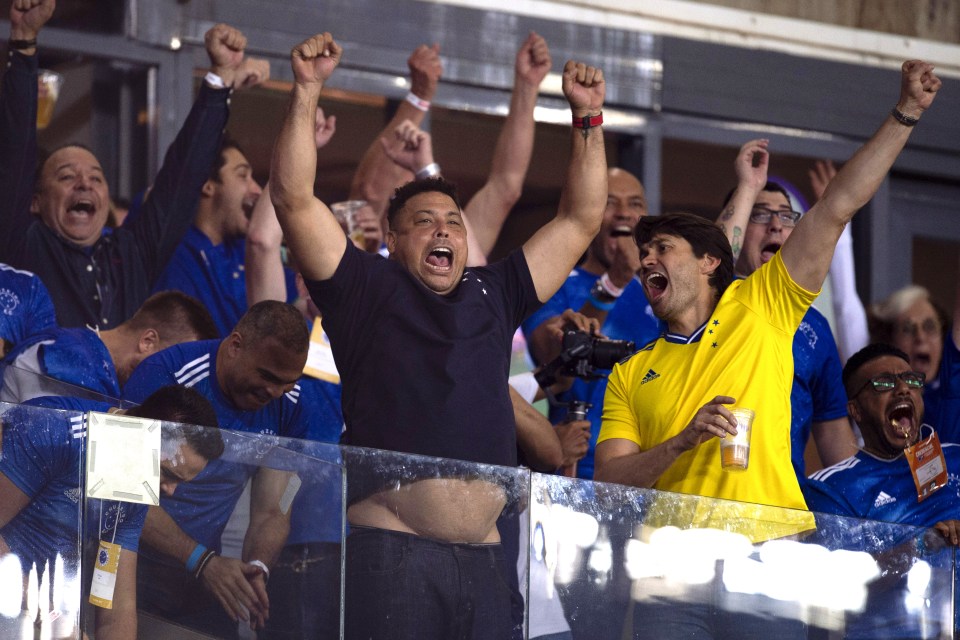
(640, 563)
(372, 540)
(21, 384)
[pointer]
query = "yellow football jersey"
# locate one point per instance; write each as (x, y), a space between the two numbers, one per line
(744, 350)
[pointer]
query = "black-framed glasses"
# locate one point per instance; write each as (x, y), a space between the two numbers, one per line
(887, 381)
(762, 215)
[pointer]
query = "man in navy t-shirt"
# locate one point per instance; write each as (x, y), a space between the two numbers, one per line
(422, 345)
(41, 476)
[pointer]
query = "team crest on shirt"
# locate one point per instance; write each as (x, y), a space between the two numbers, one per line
(8, 301)
(468, 275)
(809, 333)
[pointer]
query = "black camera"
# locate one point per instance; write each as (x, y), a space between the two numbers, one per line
(582, 354)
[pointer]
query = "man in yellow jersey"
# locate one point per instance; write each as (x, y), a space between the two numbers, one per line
(729, 343)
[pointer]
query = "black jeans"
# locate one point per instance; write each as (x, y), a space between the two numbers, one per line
(304, 591)
(401, 586)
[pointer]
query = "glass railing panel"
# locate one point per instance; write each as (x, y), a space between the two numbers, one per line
(640, 563)
(264, 499)
(21, 385)
(434, 547)
(40, 521)
(590, 560)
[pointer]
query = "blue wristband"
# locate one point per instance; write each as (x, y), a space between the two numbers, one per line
(194, 558)
(601, 306)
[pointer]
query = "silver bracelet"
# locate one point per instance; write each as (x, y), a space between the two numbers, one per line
(260, 565)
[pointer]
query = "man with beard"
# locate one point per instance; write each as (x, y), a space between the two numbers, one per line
(886, 400)
(730, 342)
(606, 287)
(209, 263)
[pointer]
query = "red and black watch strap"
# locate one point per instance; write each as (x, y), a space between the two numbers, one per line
(588, 122)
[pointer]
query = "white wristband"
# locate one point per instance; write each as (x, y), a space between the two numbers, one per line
(609, 287)
(419, 103)
(432, 170)
(260, 565)
(214, 80)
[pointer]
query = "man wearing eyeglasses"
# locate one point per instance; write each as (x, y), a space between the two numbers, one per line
(757, 219)
(886, 400)
(730, 342)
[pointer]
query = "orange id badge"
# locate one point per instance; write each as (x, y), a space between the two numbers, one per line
(105, 575)
(927, 465)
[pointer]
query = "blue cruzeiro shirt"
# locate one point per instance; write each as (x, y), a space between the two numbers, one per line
(942, 400)
(25, 305)
(864, 486)
(214, 275)
(818, 394)
(44, 456)
(75, 356)
(202, 506)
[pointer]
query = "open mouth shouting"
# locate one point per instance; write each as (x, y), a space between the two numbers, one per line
(440, 258)
(655, 284)
(82, 207)
(902, 417)
(769, 250)
(621, 230)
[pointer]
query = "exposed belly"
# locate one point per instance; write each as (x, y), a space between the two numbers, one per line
(451, 510)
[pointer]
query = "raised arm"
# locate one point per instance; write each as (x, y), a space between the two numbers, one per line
(488, 208)
(411, 148)
(377, 175)
(265, 278)
(555, 248)
(170, 207)
(312, 232)
(809, 249)
(851, 316)
(18, 131)
(751, 167)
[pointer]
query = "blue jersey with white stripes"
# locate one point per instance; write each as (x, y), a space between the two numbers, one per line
(865, 486)
(202, 506)
(43, 456)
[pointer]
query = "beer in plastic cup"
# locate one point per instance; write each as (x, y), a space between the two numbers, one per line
(735, 450)
(48, 90)
(346, 213)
